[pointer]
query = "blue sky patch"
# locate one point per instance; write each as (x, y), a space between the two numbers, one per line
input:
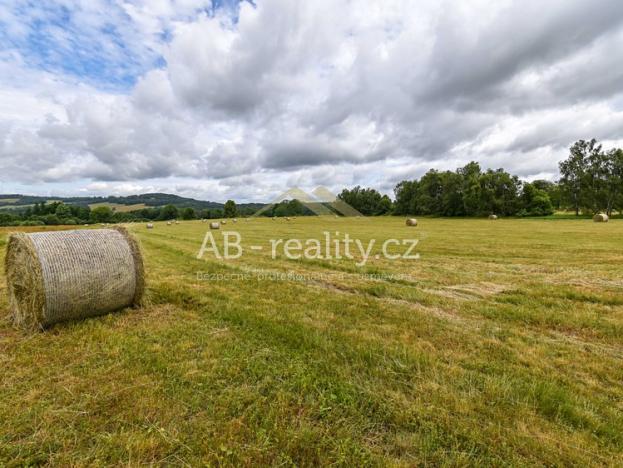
(104, 49)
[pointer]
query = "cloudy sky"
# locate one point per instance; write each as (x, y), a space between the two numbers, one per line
(217, 99)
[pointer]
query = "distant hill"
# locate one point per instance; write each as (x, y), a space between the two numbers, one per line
(17, 201)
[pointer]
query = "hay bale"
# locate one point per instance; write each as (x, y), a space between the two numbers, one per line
(224, 222)
(150, 225)
(601, 218)
(493, 217)
(169, 223)
(235, 220)
(56, 276)
(411, 222)
(215, 226)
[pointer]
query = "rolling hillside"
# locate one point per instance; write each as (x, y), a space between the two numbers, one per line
(16, 201)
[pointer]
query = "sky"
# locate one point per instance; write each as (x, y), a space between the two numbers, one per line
(218, 99)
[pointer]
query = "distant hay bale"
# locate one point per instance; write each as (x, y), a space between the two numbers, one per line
(56, 276)
(601, 218)
(215, 226)
(150, 225)
(224, 222)
(493, 217)
(235, 220)
(169, 223)
(411, 222)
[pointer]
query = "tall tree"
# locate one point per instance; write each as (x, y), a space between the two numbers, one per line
(470, 175)
(574, 170)
(168, 212)
(614, 184)
(230, 210)
(405, 193)
(100, 214)
(188, 213)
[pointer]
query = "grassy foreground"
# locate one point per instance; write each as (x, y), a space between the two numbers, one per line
(502, 344)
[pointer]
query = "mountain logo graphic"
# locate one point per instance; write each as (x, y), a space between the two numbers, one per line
(321, 202)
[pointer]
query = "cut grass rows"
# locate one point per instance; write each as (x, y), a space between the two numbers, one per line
(517, 367)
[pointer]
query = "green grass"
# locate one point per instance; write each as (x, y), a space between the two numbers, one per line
(501, 345)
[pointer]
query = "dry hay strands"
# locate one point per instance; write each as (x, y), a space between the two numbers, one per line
(411, 222)
(601, 218)
(57, 276)
(493, 217)
(215, 226)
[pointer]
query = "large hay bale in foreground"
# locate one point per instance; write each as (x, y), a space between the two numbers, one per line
(493, 217)
(600, 218)
(411, 222)
(63, 275)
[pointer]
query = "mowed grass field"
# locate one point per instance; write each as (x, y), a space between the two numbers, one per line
(501, 345)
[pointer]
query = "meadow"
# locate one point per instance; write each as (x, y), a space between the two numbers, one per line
(118, 207)
(501, 345)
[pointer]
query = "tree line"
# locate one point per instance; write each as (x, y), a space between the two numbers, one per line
(591, 181)
(59, 213)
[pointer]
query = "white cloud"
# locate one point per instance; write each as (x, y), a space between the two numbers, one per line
(307, 93)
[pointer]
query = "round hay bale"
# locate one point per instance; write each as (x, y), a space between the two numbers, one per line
(235, 220)
(411, 222)
(56, 276)
(169, 223)
(493, 217)
(150, 225)
(215, 226)
(223, 222)
(600, 218)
